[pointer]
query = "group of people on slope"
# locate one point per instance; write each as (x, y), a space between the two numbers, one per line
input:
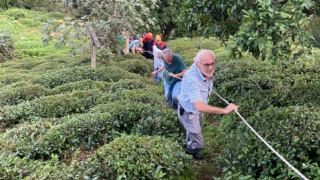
(187, 90)
(150, 48)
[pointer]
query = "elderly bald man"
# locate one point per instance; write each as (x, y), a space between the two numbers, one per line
(196, 86)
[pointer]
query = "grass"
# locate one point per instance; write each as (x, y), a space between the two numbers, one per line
(24, 27)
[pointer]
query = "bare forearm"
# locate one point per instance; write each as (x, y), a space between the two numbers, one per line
(211, 110)
(205, 108)
(182, 73)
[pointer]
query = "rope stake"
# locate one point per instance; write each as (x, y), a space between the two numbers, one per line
(265, 142)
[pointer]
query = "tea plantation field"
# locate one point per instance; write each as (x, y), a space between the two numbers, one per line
(60, 119)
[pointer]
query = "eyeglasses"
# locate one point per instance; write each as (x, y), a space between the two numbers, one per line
(208, 65)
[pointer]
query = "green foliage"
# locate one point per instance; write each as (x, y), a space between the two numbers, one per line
(262, 28)
(80, 85)
(6, 46)
(159, 123)
(14, 77)
(293, 135)
(87, 131)
(17, 168)
(50, 106)
(13, 94)
(133, 157)
(164, 25)
(27, 63)
(314, 30)
(16, 13)
(142, 67)
(109, 74)
(107, 19)
(129, 84)
(137, 95)
(272, 29)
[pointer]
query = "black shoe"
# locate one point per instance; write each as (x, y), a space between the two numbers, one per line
(197, 156)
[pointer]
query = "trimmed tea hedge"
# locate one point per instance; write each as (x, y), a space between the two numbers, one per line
(132, 96)
(129, 84)
(134, 157)
(108, 74)
(292, 131)
(80, 85)
(10, 95)
(142, 67)
(50, 106)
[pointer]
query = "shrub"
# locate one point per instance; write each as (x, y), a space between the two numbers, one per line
(14, 77)
(292, 131)
(16, 13)
(20, 139)
(108, 74)
(144, 119)
(51, 106)
(6, 46)
(128, 56)
(129, 84)
(11, 95)
(233, 69)
(133, 157)
(80, 85)
(159, 121)
(132, 96)
(23, 64)
(20, 168)
(29, 23)
(125, 114)
(87, 131)
(142, 67)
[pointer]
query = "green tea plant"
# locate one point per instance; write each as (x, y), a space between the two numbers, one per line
(6, 46)
(134, 157)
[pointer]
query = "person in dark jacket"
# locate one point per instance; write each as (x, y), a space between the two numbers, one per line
(147, 46)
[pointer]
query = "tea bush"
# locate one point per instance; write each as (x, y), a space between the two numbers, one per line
(11, 95)
(19, 138)
(16, 13)
(142, 67)
(21, 168)
(29, 22)
(87, 131)
(80, 85)
(24, 64)
(6, 46)
(292, 131)
(134, 157)
(124, 114)
(50, 106)
(14, 77)
(129, 84)
(128, 56)
(132, 96)
(108, 74)
(158, 121)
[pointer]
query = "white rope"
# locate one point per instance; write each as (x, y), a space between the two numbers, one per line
(174, 76)
(265, 142)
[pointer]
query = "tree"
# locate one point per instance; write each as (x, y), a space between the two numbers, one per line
(261, 27)
(5, 4)
(164, 15)
(108, 18)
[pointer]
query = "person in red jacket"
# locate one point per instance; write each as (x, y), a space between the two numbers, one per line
(159, 43)
(147, 46)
